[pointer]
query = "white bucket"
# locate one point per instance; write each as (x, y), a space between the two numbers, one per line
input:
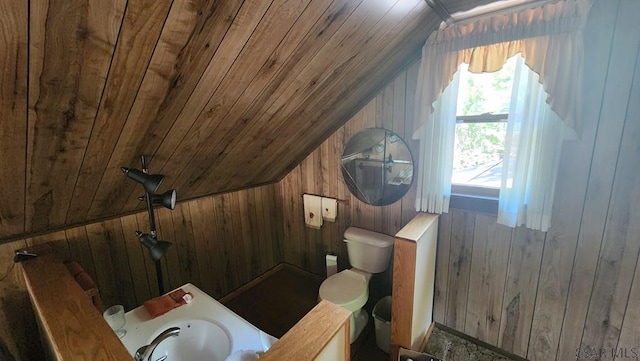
(382, 321)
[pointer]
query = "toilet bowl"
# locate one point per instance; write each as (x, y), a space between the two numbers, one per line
(369, 252)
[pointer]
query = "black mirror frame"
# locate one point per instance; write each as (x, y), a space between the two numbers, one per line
(352, 183)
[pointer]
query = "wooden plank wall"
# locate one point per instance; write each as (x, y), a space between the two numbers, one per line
(199, 86)
(572, 292)
(320, 173)
(13, 104)
(219, 243)
(539, 295)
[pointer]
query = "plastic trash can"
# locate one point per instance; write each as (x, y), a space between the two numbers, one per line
(382, 320)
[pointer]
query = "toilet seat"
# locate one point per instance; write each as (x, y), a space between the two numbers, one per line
(348, 289)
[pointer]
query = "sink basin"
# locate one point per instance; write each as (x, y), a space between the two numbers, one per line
(198, 340)
(208, 331)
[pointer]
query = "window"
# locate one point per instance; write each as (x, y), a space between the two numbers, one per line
(546, 108)
(482, 110)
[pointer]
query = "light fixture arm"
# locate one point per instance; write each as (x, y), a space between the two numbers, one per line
(152, 226)
(150, 183)
(152, 218)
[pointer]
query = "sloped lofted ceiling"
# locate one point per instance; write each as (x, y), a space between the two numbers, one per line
(221, 95)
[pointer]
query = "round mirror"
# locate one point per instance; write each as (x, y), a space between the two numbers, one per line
(377, 166)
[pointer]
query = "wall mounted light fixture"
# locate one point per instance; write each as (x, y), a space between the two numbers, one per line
(166, 199)
(157, 249)
(151, 183)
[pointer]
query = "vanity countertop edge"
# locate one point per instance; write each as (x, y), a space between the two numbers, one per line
(71, 325)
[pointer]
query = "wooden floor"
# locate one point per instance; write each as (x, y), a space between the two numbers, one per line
(277, 301)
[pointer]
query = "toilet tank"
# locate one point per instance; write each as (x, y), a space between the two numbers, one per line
(368, 251)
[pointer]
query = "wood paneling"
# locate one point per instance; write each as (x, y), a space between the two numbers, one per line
(71, 47)
(462, 226)
(489, 260)
(520, 289)
(217, 94)
(320, 173)
(209, 250)
(137, 38)
(539, 295)
(625, 206)
(13, 117)
(442, 267)
(569, 293)
(618, 254)
(599, 148)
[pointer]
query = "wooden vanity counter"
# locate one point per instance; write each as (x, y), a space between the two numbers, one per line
(70, 326)
(321, 335)
(73, 329)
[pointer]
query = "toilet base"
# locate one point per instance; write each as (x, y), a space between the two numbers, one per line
(357, 323)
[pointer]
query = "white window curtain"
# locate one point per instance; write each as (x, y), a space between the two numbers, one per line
(549, 38)
(433, 190)
(532, 154)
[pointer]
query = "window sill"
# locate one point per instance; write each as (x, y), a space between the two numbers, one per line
(488, 205)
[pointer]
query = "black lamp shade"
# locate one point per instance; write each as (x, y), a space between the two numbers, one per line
(150, 182)
(167, 199)
(157, 249)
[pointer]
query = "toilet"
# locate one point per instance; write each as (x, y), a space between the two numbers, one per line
(369, 252)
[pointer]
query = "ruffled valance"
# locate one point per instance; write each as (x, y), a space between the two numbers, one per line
(549, 37)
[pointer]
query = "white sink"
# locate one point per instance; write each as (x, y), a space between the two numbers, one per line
(208, 331)
(198, 340)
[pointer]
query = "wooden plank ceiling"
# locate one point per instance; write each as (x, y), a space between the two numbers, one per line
(221, 95)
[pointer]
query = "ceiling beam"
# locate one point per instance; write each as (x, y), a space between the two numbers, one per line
(442, 12)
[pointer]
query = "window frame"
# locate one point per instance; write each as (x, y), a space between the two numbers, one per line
(473, 191)
(474, 197)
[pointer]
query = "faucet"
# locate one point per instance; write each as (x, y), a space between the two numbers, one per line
(145, 352)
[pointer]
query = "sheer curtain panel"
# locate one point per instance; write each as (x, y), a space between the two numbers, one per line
(436, 137)
(546, 103)
(532, 154)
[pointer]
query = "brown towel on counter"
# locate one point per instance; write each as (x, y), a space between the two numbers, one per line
(86, 282)
(163, 304)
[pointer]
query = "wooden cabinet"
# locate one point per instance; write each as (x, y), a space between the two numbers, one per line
(414, 265)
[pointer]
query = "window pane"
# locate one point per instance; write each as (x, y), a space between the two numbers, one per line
(485, 92)
(477, 157)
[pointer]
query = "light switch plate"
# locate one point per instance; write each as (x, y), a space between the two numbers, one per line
(329, 209)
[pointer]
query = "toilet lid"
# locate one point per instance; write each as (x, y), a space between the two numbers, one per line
(347, 289)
